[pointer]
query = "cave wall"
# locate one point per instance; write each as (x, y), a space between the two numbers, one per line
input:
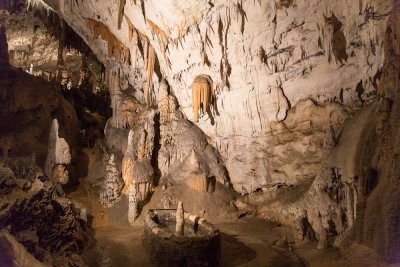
(379, 224)
(264, 57)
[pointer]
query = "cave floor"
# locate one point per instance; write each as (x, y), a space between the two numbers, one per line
(248, 241)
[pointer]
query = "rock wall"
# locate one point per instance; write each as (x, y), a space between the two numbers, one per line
(383, 206)
(354, 197)
(264, 58)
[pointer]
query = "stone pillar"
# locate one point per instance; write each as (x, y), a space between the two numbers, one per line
(180, 219)
(133, 201)
(349, 205)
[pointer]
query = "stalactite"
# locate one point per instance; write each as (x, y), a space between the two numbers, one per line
(201, 95)
(61, 43)
(162, 38)
(225, 68)
(121, 6)
(115, 47)
(39, 4)
(112, 81)
(243, 16)
(151, 58)
(131, 30)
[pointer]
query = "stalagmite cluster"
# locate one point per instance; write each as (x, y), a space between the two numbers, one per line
(112, 185)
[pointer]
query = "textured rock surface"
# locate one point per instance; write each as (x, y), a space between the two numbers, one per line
(14, 254)
(264, 57)
(381, 190)
(43, 222)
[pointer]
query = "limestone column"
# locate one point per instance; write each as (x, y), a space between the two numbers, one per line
(180, 219)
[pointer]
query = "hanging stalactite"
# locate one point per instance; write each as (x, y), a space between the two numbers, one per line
(38, 4)
(201, 95)
(115, 47)
(162, 38)
(121, 7)
(151, 58)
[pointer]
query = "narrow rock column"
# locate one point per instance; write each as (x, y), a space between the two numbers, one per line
(61, 43)
(180, 220)
(132, 208)
(349, 205)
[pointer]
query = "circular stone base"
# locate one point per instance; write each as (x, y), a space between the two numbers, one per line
(168, 249)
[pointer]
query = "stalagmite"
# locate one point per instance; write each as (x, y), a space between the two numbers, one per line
(180, 219)
(133, 205)
(128, 160)
(137, 172)
(197, 179)
(58, 156)
(167, 104)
